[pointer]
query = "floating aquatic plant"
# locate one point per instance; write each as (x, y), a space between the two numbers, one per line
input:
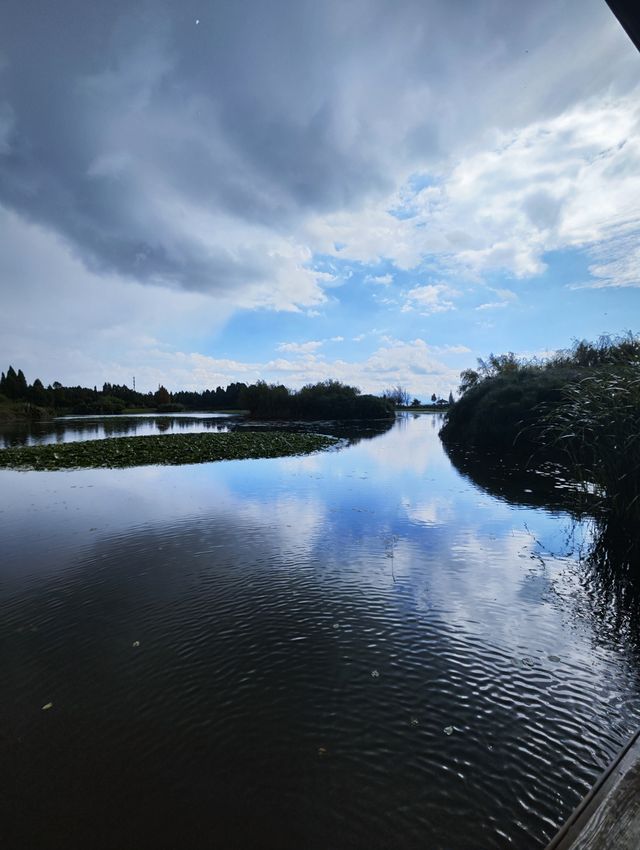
(171, 449)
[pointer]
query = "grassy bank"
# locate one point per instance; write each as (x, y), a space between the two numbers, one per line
(168, 449)
(21, 411)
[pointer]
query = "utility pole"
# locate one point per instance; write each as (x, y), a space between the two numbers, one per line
(134, 383)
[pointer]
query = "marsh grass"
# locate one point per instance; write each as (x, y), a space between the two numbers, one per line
(596, 426)
(167, 449)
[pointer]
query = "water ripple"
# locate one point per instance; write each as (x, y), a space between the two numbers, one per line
(270, 668)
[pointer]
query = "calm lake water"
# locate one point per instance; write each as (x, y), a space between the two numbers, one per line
(355, 649)
(68, 429)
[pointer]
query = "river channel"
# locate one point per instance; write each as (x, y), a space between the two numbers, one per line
(360, 648)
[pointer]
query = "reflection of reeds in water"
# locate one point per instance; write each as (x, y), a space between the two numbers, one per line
(597, 426)
(610, 578)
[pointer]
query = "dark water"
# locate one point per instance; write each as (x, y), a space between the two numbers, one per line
(67, 429)
(356, 649)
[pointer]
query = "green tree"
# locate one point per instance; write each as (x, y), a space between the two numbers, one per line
(37, 393)
(11, 384)
(162, 396)
(468, 378)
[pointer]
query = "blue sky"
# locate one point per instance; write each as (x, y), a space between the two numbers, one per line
(373, 192)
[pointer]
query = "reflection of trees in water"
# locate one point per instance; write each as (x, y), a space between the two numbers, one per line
(60, 431)
(548, 486)
(608, 550)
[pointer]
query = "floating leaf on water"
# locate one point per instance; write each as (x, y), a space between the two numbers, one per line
(136, 643)
(527, 661)
(322, 752)
(448, 730)
(414, 721)
(375, 674)
(47, 706)
(554, 658)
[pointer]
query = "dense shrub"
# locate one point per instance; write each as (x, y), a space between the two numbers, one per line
(325, 400)
(504, 412)
(506, 403)
(103, 404)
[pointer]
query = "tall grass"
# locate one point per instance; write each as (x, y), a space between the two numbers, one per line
(597, 426)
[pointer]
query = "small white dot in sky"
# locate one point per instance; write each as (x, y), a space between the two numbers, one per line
(197, 21)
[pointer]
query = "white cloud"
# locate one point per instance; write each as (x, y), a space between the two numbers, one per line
(451, 349)
(412, 363)
(617, 262)
(382, 279)
(301, 347)
(568, 181)
(429, 299)
(493, 305)
(307, 347)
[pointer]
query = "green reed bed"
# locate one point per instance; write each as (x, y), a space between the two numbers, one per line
(597, 426)
(166, 449)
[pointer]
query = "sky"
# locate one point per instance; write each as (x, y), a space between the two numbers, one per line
(374, 191)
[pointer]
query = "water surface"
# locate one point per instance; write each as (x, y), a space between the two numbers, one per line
(67, 429)
(356, 649)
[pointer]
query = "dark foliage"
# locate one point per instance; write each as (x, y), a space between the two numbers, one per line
(325, 400)
(35, 399)
(503, 412)
(507, 404)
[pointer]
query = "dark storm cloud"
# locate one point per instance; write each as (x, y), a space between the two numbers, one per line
(184, 143)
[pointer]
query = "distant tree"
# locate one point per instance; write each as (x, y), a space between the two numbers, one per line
(398, 395)
(434, 398)
(22, 384)
(325, 400)
(416, 402)
(162, 396)
(37, 393)
(10, 383)
(450, 397)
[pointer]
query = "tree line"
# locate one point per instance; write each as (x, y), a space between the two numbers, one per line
(326, 399)
(113, 398)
